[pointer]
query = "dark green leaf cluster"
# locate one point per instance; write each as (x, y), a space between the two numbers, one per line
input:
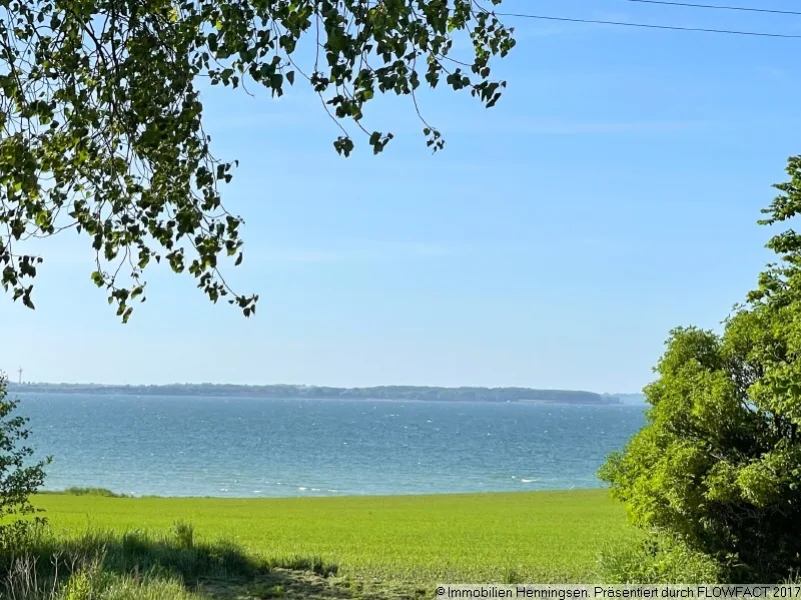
(101, 121)
(20, 476)
(719, 463)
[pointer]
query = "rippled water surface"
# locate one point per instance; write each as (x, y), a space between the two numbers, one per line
(246, 447)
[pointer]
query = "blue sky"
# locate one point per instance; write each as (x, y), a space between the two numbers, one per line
(611, 195)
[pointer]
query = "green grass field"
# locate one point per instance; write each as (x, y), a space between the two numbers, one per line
(539, 536)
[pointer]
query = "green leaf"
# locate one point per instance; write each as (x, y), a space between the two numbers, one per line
(97, 278)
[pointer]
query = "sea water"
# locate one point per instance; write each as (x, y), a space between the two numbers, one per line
(251, 447)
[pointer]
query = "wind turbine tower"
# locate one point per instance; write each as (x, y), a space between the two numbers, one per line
(20, 375)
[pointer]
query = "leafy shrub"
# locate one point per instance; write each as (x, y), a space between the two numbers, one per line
(658, 560)
(83, 583)
(718, 466)
(93, 491)
(19, 475)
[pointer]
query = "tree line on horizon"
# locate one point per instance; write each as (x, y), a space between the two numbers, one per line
(390, 392)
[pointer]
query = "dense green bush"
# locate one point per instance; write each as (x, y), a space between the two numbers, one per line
(658, 559)
(93, 491)
(20, 476)
(718, 465)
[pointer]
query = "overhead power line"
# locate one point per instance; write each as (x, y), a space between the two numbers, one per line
(719, 7)
(649, 26)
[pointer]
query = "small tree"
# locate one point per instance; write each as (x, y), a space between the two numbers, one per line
(19, 476)
(718, 465)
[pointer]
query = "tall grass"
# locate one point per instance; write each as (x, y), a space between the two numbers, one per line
(39, 564)
(87, 580)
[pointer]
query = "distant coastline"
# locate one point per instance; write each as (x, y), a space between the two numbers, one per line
(396, 393)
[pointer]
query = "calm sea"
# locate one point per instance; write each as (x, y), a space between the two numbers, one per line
(245, 447)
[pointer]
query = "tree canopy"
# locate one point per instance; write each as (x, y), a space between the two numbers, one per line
(719, 464)
(101, 127)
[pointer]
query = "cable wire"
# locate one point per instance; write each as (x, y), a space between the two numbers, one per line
(648, 26)
(719, 7)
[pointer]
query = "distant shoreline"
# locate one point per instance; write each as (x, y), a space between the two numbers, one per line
(389, 393)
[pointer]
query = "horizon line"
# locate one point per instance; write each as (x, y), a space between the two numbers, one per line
(311, 386)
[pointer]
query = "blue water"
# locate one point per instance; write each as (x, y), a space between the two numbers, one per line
(244, 447)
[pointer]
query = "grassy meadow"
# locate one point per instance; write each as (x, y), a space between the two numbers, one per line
(358, 546)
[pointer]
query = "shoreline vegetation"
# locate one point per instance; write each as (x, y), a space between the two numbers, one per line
(392, 393)
(85, 491)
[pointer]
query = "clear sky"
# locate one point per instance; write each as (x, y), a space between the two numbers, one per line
(611, 195)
